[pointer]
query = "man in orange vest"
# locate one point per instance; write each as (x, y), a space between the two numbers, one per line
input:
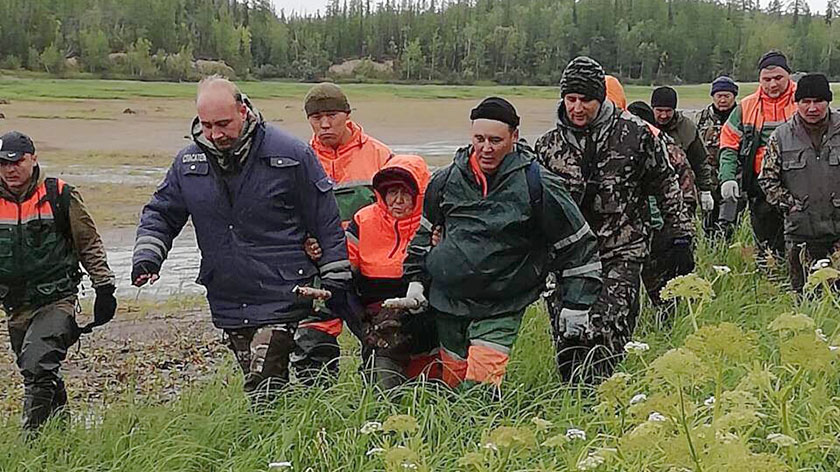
(351, 158)
(743, 142)
(46, 231)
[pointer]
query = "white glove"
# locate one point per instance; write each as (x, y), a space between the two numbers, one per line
(729, 190)
(574, 324)
(707, 202)
(414, 295)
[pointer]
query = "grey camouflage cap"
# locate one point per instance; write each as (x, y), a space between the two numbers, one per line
(584, 76)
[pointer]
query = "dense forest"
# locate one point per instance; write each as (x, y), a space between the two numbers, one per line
(454, 41)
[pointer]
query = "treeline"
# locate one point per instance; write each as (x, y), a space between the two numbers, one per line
(454, 41)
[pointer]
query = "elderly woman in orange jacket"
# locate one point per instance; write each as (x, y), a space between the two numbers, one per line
(397, 345)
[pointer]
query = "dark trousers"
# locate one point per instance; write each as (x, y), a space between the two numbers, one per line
(768, 226)
(263, 354)
(801, 257)
(40, 338)
(613, 319)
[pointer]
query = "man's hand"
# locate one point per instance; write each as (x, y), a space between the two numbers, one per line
(729, 190)
(414, 299)
(574, 324)
(683, 256)
(144, 271)
(313, 249)
(437, 235)
(707, 202)
(104, 307)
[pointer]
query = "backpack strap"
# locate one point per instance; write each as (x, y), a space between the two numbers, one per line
(60, 204)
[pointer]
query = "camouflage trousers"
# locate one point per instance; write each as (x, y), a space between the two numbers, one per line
(40, 339)
(612, 319)
(802, 255)
(263, 354)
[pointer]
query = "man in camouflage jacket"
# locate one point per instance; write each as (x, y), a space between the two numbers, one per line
(611, 162)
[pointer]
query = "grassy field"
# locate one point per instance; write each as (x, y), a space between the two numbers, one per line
(12, 88)
(735, 383)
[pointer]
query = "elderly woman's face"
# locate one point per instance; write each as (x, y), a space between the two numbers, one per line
(399, 201)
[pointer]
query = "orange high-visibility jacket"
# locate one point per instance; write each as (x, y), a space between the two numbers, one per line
(352, 167)
(376, 241)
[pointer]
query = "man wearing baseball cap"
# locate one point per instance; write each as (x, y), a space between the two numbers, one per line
(800, 174)
(505, 223)
(610, 161)
(46, 231)
(743, 144)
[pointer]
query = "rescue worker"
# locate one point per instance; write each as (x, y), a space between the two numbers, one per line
(610, 161)
(350, 158)
(397, 345)
(46, 231)
(254, 193)
(683, 131)
(720, 221)
(660, 267)
(800, 175)
(505, 222)
(743, 144)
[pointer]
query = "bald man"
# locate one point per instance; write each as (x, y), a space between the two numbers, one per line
(254, 193)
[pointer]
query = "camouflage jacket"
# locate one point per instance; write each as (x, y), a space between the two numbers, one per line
(610, 168)
(709, 124)
(685, 134)
(685, 177)
(802, 182)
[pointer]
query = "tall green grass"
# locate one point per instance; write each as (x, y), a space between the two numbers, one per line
(212, 428)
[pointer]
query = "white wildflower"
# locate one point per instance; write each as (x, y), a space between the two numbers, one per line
(657, 417)
(280, 465)
(821, 335)
(821, 264)
(574, 433)
(591, 462)
(491, 446)
(634, 347)
(721, 269)
(833, 348)
(781, 439)
(409, 466)
(371, 427)
(375, 451)
(710, 402)
(638, 398)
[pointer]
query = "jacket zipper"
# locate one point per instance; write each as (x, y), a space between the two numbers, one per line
(396, 246)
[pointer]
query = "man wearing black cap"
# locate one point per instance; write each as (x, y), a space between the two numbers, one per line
(45, 232)
(683, 131)
(611, 162)
(710, 123)
(505, 223)
(800, 176)
(743, 143)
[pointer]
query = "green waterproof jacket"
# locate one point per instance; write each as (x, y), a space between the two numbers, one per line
(497, 249)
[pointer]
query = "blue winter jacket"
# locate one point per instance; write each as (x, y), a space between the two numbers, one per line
(250, 228)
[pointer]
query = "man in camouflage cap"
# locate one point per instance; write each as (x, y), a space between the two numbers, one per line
(611, 162)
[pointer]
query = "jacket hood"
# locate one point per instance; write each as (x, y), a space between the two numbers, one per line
(413, 169)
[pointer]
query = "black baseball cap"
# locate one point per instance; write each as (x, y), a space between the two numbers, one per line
(14, 144)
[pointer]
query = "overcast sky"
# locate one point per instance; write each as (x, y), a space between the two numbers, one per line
(310, 6)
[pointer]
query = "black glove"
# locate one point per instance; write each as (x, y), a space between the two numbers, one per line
(683, 256)
(144, 268)
(104, 307)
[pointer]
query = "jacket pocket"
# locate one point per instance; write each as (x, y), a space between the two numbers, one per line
(281, 185)
(795, 159)
(6, 242)
(297, 272)
(196, 168)
(606, 201)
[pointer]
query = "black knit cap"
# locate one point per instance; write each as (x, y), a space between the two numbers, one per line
(813, 86)
(642, 110)
(664, 97)
(724, 84)
(773, 58)
(496, 109)
(584, 76)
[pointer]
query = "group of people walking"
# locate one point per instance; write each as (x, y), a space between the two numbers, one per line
(432, 272)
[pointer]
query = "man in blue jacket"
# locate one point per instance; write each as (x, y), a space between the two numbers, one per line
(254, 194)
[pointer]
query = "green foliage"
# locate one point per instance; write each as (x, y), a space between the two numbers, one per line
(508, 41)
